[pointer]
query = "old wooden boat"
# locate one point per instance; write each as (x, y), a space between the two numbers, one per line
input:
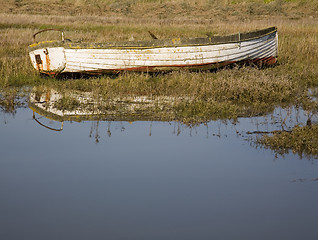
(64, 56)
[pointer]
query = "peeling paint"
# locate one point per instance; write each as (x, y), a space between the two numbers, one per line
(195, 53)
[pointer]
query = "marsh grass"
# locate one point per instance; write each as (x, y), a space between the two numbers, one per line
(227, 93)
(8, 101)
(224, 93)
(302, 140)
(67, 103)
(163, 9)
(11, 99)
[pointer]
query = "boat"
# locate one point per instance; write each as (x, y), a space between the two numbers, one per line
(65, 56)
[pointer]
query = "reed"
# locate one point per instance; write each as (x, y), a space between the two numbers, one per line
(163, 8)
(227, 91)
(302, 140)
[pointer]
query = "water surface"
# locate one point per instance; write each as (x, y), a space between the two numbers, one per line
(150, 180)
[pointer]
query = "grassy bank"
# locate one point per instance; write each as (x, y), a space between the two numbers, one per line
(227, 93)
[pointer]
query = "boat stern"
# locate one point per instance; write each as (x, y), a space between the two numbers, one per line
(48, 60)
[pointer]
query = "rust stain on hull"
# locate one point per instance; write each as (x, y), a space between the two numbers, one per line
(39, 63)
(48, 61)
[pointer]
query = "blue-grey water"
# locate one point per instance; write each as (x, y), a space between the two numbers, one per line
(150, 181)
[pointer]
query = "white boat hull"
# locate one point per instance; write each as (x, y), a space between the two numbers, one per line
(54, 60)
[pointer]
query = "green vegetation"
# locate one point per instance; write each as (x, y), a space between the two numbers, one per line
(67, 103)
(302, 140)
(227, 93)
(100, 21)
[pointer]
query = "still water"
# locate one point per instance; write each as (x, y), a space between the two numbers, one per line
(150, 180)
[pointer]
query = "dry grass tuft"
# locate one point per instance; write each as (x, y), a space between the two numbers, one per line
(302, 140)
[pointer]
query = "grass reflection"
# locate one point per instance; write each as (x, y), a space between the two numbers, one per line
(291, 129)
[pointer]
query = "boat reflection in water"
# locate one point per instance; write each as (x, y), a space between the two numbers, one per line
(78, 106)
(81, 106)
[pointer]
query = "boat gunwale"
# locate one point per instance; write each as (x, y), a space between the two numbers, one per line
(159, 43)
